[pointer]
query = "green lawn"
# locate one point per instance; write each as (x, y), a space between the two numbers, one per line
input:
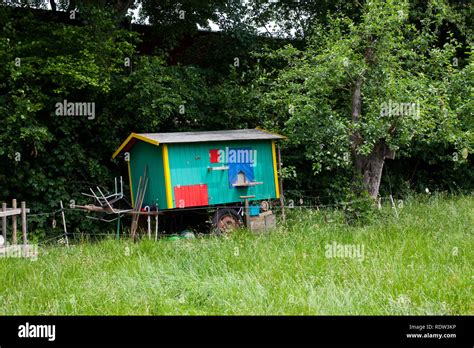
(420, 263)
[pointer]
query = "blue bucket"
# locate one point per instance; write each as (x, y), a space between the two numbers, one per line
(254, 210)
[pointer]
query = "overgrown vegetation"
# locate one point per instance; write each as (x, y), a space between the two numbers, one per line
(418, 263)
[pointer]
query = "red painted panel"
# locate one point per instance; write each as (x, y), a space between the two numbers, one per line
(214, 155)
(191, 196)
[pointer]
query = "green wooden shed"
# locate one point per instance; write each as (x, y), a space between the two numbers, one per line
(196, 169)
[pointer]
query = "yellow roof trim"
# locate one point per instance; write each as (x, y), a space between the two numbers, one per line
(136, 136)
(273, 133)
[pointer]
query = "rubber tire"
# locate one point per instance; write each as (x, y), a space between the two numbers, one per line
(229, 213)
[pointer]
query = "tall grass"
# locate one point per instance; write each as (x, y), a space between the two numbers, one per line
(419, 263)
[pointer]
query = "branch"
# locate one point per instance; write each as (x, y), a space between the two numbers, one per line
(271, 36)
(53, 5)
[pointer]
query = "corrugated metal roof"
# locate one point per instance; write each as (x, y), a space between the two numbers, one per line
(197, 137)
(224, 135)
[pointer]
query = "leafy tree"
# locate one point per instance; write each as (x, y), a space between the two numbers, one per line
(364, 90)
(45, 157)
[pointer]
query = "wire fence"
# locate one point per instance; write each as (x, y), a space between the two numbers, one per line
(292, 198)
(47, 214)
(293, 203)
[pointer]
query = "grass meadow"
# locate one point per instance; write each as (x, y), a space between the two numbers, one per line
(419, 263)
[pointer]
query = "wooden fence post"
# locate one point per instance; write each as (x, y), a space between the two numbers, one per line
(4, 223)
(14, 222)
(64, 223)
(23, 222)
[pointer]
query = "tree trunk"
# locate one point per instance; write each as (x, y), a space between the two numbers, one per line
(369, 168)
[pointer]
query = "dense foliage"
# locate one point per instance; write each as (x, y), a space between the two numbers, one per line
(87, 52)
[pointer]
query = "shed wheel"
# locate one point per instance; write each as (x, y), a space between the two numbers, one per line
(226, 220)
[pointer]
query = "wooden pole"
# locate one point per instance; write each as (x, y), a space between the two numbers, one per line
(247, 209)
(118, 226)
(247, 213)
(142, 198)
(64, 223)
(149, 224)
(14, 222)
(138, 208)
(23, 222)
(280, 182)
(134, 217)
(4, 223)
(156, 227)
